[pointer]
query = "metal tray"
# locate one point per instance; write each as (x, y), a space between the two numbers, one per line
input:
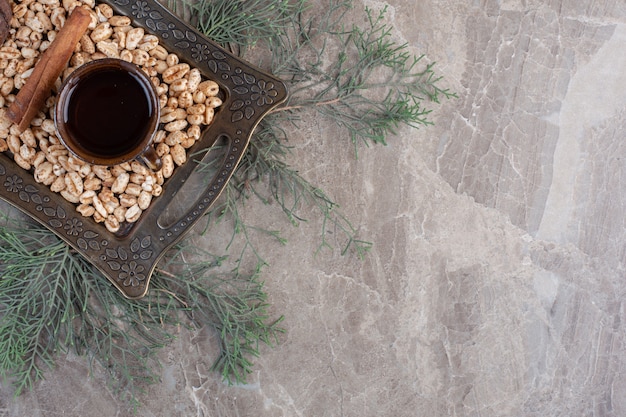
(128, 261)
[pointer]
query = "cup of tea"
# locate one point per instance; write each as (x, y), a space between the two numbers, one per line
(107, 113)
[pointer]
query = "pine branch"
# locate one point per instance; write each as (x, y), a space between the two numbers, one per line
(65, 304)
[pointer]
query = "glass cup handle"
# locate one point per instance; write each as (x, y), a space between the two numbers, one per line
(150, 159)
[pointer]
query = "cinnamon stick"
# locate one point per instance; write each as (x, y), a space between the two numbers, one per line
(36, 90)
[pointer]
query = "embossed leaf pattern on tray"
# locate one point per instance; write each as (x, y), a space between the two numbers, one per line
(259, 93)
(13, 184)
(130, 272)
(89, 241)
(124, 260)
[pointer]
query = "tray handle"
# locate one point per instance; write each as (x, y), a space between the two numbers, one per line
(248, 95)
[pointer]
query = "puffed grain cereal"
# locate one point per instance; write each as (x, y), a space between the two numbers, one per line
(109, 195)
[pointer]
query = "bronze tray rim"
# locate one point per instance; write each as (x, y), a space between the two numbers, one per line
(128, 261)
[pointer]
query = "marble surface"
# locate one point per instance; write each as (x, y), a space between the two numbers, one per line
(495, 286)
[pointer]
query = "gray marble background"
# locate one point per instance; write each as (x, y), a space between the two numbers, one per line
(496, 281)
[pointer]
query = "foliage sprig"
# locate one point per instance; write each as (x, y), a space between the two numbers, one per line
(373, 85)
(358, 78)
(53, 300)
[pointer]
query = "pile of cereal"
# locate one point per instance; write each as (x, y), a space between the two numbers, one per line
(111, 195)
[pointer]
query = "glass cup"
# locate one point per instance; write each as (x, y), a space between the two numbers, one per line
(107, 113)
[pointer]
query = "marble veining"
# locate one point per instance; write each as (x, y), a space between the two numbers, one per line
(496, 283)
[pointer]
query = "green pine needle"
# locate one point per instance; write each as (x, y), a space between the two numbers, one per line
(52, 300)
